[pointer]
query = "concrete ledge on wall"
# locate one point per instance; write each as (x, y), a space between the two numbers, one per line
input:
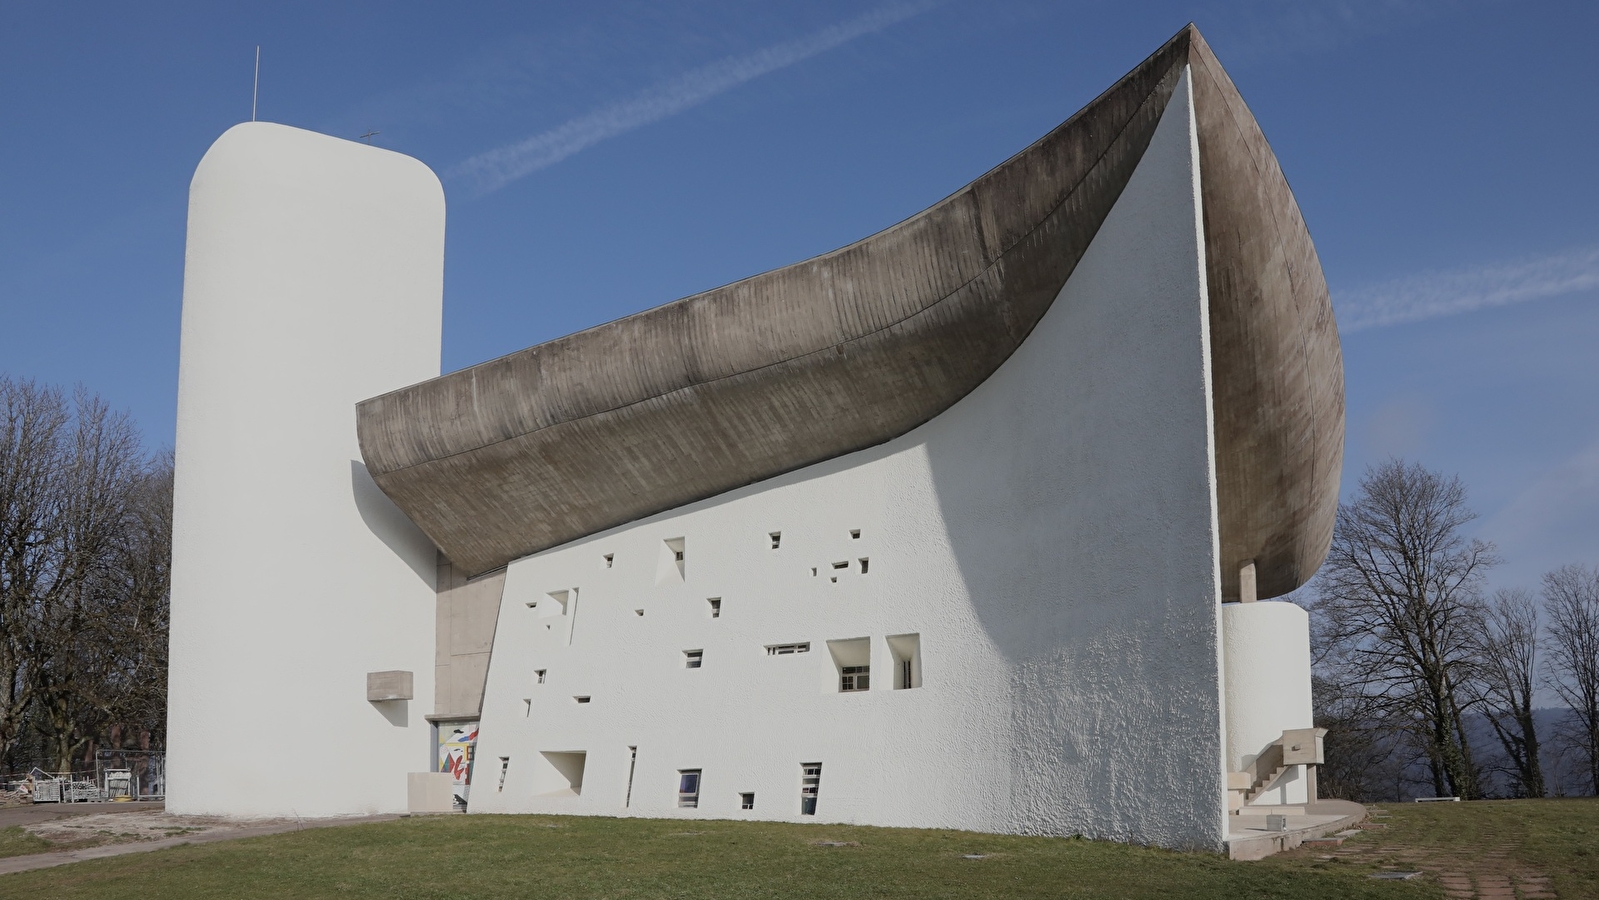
(392, 685)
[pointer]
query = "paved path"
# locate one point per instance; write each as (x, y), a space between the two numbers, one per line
(227, 832)
(1489, 873)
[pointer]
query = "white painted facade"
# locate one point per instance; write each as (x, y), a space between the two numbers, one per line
(1267, 651)
(313, 279)
(1039, 561)
(1050, 540)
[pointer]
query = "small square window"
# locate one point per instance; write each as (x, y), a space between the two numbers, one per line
(581, 698)
(864, 563)
(746, 801)
(539, 674)
(693, 658)
(854, 678)
(777, 539)
(638, 612)
(610, 558)
(716, 606)
(855, 534)
(678, 554)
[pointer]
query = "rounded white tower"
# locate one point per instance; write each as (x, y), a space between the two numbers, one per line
(313, 279)
(1266, 651)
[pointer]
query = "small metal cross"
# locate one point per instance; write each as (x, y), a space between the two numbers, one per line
(369, 134)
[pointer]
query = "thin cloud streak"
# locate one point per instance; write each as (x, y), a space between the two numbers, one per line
(1437, 294)
(494, 169)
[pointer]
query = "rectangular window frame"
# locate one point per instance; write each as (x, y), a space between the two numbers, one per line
(689, 784)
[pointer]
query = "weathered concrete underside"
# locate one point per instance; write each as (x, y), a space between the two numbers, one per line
(858, 346)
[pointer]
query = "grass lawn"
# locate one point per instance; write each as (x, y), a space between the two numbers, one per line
(1554, 838)
(560, 857)
(16, 842)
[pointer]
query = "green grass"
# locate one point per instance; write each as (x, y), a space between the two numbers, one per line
(16, 842)
(1559, 838)
(559, 857)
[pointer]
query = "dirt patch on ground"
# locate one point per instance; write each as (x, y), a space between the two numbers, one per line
(75, 832)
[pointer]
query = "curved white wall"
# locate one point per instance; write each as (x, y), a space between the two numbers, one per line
(1050, 539)
(313, 279)
(1266, 649)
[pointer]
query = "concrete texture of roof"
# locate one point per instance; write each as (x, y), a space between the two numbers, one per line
(858, 346)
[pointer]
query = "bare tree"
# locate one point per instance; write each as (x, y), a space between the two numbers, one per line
(1362, 759)
(80, 647)
(32, 422)
(138, 698)
(85, 534)
(1571, 600)
(1400, 612)
(1508, 682)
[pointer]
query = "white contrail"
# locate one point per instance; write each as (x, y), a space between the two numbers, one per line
(493, 169)
(1436, 294)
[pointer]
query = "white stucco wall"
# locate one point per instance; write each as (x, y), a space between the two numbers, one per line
(1051, 539)
(313, 279)
(1266, 648)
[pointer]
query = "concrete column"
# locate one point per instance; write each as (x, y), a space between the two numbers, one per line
(1246, 583)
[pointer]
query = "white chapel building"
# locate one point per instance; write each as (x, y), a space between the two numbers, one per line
(958, 526)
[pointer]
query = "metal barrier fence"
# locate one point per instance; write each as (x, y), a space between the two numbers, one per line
(118, 775)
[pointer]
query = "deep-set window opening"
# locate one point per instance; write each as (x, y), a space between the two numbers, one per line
(716, 606)
(688, 788)
(854, 678)
(632, 763)
(746, 800)
(693, 658)
(581, 698)
(673, 560)
(787, 649)
(777, 539)
(906, 651)
(810, 787)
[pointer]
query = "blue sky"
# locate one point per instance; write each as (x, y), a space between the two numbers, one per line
(604, 158)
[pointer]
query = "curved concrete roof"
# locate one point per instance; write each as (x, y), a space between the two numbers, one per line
(858, 346)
